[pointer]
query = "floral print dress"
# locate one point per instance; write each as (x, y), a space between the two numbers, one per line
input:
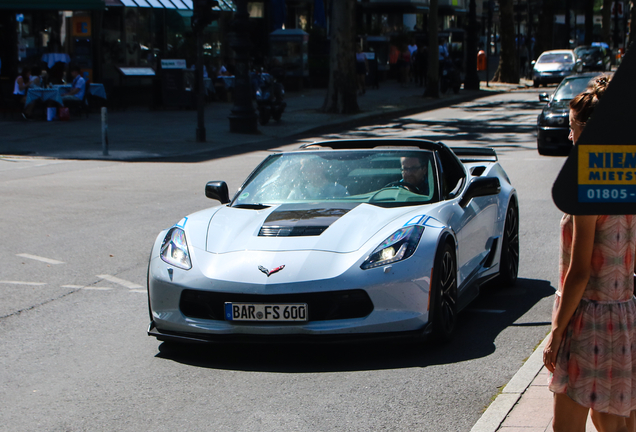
(596, 362)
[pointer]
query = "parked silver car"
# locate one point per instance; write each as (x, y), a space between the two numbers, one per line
(552, 66)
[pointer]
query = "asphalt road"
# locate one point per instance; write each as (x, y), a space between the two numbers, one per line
(74, 355)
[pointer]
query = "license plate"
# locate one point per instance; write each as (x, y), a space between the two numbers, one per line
(265, 312)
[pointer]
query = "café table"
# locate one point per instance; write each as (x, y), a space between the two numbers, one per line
(51, 58)
(96, 89)
(43, 94)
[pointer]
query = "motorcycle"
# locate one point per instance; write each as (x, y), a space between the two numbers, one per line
(450, 77)
(270, 95)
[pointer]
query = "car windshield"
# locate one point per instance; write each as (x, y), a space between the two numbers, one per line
(556, 58)
(388, 178)
(586, 51)
(570, 88)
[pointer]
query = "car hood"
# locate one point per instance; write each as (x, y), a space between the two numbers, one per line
(557, 107)
(340, 227)
(550, 67)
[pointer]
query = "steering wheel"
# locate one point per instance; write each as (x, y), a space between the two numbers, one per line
(406, 185)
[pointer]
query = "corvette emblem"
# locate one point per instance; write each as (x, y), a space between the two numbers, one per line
(272, 271)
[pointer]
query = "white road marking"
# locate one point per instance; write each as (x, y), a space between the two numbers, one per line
(138, 291)
(488, 310)
(39, 258)
(22, 283)
(97, 288)
(113, 279)
(72, 286)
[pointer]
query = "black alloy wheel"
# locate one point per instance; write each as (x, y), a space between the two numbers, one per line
(444, 294)
(509, 264)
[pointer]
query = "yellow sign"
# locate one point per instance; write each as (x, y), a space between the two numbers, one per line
(607, 173)
(81, 26)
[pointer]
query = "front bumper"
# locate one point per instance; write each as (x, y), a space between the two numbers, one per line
(207, 338)
(553, 138)
(550, 77)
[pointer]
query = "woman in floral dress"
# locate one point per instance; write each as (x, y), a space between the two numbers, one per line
(591, 350)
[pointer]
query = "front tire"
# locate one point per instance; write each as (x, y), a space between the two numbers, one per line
(444, 294)
(509, 262)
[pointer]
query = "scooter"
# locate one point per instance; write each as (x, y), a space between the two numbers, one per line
(270, 95)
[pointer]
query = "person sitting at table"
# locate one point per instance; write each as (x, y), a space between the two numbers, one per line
(22, 83)
(36, 80)
(77, 87)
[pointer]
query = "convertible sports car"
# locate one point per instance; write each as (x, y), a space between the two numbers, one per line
(335, 241)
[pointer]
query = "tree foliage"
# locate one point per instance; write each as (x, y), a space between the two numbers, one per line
(341, 95)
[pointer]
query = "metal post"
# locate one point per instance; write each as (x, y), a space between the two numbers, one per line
(104, 131)
(199, 86)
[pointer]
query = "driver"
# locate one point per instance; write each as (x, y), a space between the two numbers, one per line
(415, 173)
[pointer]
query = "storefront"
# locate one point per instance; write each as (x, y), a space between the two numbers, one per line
(41, 33)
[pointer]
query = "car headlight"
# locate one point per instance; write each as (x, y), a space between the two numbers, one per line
(174, 249)
(555, 120)
(399, 246)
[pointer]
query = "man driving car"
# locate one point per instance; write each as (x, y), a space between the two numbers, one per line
(414, 174)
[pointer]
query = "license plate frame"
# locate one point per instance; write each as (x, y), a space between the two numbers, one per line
(266, 312)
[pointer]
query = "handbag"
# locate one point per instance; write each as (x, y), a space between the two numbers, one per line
(64, 113)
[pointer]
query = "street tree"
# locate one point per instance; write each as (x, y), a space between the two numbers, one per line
(432, 74)
(546, 28)
(607, 21)
(342, 92)
(508, 69)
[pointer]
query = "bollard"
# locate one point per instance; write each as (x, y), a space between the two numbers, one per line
(104, 131)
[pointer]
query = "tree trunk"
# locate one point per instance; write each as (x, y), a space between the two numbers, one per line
(508, 70)
(472, 78)
(342, 93)
(589, 22)
(546, 29)
(607, 21)
(432, 74)
(632, 30)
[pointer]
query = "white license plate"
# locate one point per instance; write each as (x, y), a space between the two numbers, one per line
(265, 312)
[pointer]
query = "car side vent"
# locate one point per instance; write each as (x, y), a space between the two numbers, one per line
(478, 170)
(289, 231)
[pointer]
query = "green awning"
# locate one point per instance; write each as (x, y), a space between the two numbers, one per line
(25, 5)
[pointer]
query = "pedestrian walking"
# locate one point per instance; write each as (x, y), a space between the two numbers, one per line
(421, 64)
(591, 350)
(362, 69)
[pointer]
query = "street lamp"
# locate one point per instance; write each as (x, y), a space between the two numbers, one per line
(243, 118)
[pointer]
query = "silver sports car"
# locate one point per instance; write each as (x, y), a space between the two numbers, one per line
(338, 240)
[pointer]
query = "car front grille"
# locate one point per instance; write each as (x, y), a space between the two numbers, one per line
(321, 306)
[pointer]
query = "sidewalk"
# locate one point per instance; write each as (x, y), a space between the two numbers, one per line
(525, 403)
(139, 133)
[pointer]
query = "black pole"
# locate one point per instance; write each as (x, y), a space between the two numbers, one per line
(567, 24)
(472, 78)
(243, 117)
(199, 86)
(616, 37)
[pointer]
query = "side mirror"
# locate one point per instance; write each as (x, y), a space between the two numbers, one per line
(578, 66)
(544, 97)
(533, 62)
(480, 186)
(217, 190)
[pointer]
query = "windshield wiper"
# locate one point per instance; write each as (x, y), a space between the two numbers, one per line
(252, 206)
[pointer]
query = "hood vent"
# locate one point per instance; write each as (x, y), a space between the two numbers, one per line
(300, 220)
(288, 231)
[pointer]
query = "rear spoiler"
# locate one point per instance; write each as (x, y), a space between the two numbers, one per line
(475, 154)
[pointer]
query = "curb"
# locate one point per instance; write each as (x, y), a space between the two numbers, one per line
(505, 402)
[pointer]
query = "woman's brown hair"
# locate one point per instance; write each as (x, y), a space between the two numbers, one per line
(583, 104)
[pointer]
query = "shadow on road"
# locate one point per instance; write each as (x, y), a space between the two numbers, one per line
(479, 325)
